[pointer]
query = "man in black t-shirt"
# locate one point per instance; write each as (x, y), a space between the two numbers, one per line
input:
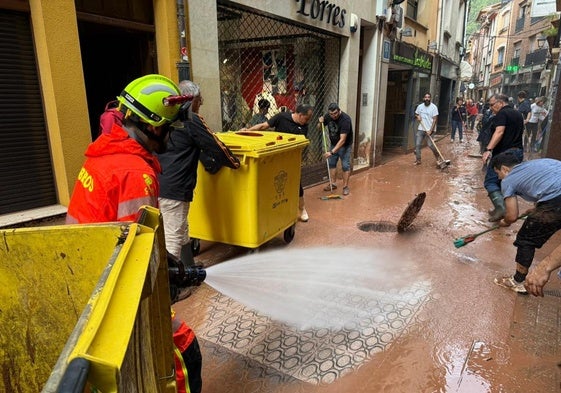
(507, 130)
(340, 130)
(293, 123)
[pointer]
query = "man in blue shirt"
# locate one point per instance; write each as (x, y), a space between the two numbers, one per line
(536, 181)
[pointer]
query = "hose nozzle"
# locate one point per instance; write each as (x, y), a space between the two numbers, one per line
(194, 276)
(182, 276)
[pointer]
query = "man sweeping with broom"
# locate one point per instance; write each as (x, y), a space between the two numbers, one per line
(340, 130)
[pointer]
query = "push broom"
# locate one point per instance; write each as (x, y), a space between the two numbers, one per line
(462, 241)
(326, 149)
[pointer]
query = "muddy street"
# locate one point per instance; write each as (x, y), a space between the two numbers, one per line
(450, 329)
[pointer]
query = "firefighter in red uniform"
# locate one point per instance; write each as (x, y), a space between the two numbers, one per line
(120, 172)
(120, 175)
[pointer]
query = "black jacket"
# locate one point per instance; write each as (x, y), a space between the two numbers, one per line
(188, 143)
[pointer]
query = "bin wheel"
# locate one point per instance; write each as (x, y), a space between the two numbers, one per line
(289, 233)
(195, 246)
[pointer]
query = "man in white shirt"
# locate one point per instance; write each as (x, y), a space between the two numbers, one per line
(427, 115)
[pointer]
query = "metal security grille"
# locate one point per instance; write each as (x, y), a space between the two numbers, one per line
(26, 177)
(285, 64)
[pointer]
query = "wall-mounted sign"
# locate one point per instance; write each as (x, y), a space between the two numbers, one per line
(411, 55)
(496, 80)
(323, 11)
(386, 50)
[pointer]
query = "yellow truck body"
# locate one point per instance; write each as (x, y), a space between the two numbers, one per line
(94, 292)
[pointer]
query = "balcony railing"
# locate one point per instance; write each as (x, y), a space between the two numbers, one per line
(536, 57)
(536, 19)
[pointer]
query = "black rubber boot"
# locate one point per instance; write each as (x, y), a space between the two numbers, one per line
(498, 201)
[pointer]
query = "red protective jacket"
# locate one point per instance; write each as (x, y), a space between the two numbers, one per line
(183, 340)
(118, 177)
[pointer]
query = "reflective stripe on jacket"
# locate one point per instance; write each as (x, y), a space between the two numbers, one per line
(183, 336)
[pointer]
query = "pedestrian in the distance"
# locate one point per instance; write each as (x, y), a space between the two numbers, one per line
(535, 181)
(472, 111)
(484, 129)
(458, 119)
(533, 122)
(426, 114)
(340, 130)
(524, 106)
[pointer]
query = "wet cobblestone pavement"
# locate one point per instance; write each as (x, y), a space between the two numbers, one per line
(459, 333)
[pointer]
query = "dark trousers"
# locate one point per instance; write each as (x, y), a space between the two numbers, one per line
(492, 182)
(537, 229)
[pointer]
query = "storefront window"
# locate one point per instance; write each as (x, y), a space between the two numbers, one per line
(262, 58)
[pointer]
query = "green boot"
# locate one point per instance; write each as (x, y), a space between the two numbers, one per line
(498, 201)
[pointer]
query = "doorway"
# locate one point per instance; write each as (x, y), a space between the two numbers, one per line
(112, 56)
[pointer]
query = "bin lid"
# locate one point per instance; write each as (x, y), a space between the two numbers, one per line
(255, 143)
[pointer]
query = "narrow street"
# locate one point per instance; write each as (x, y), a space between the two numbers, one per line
(459, 332)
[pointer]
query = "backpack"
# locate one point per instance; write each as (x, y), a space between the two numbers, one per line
(110, 115)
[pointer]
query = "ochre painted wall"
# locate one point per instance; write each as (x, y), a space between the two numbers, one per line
(62, 83)
(59, 60)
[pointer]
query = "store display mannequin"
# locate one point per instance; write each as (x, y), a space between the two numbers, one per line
(266, 94)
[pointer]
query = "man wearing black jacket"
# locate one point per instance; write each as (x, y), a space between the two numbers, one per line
(189, 142)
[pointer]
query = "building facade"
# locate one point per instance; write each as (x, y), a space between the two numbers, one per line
(511, 51)
(66, 59)
(62, 60)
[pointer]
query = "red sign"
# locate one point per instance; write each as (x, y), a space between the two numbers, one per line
(496, 80)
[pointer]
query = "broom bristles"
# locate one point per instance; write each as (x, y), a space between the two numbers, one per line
(332, 196)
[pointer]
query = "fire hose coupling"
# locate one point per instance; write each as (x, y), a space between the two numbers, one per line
(182, 276)
(194, 276)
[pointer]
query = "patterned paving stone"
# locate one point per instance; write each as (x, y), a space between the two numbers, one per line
(315, 355)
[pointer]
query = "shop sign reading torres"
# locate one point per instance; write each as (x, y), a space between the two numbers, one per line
(323, 11)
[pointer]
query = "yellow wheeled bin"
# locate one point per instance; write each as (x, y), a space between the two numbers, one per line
(250, 205)
(86, 308)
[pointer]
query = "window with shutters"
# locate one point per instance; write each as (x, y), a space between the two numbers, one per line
(26, 175)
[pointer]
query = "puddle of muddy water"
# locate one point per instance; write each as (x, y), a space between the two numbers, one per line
(317, 287)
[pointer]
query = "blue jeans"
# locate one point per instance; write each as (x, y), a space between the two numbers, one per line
(492, 182)
(420, 135)
(344, 153)
(457, 125)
